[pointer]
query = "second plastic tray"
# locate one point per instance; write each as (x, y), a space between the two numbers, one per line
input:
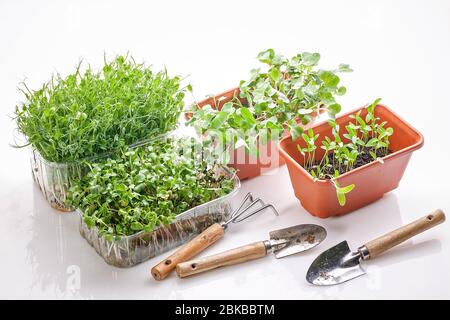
(131, 250)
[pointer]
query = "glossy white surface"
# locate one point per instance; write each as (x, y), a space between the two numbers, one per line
(399, 51)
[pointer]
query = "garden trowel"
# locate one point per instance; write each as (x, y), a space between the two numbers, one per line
(339, 264)
(282, 243)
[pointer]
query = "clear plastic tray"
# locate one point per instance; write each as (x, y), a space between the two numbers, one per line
(131, 250)
(55, 179)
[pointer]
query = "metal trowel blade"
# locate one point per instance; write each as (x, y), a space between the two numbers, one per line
(335, 265)
(296, 239)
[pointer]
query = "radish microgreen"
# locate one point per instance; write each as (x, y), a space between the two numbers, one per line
(146, 187)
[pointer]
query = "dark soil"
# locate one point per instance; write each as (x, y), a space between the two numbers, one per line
(362, 159)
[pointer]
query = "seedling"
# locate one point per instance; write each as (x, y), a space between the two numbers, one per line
(89, 113)
(285, 94)
(145, 187)
(364, 141)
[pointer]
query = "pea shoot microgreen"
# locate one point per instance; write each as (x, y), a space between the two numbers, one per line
(90, 113)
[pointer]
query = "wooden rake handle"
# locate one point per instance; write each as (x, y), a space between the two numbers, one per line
(188, 251)
(393, 238)
(234, 256)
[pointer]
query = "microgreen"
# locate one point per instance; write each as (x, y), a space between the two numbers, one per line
(285, 94)
(89, 113)
(365, 140)
(145, 187)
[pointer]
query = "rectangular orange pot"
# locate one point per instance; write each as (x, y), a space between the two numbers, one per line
(248, 166)
(371, 180)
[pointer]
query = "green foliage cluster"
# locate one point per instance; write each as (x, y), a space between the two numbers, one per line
(283, 95)
(146, 187)
(365, 136)
(89, 113)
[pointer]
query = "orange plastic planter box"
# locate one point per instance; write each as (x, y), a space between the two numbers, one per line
(248, 166)
(371, 180)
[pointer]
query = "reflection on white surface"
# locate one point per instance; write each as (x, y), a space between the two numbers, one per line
(57, 254)
(63, 265)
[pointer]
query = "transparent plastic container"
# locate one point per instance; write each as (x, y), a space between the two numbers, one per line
(134, 249)
(55, 179)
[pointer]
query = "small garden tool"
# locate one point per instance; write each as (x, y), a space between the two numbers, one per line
(209, 236)
(282, 243)
(339, 264)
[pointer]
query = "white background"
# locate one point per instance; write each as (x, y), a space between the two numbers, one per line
(400, 51)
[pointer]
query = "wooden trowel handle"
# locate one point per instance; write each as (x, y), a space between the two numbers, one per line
(234, 256)
(189, 250)
(393, 238)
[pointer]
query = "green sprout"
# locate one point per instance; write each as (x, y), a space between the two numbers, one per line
(285, 93)
(89, 113)
(365, 140)
(144, 188)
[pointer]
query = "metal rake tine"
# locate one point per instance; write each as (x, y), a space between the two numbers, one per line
(241, 217)
(238, 212)
(248, 196)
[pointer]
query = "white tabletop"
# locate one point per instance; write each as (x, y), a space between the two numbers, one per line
(399, 50)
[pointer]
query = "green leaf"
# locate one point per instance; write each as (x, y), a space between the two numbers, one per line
(329, 78)
(344, 68)
(341, 198)
(372, 142)
(219, 120)
(247, 115)
(332, 123)
(137, 226)
(282, 97)
(275, 74)
(89, 221)
(266, 56)
(341, 91)
(372, 106)
(299, 93)
(310, 59)
(334, 108)
(228, 107)
(140, 187)
(310, 89)
(305, 119)
(305, 137)
(347, 189)
(342, 191)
